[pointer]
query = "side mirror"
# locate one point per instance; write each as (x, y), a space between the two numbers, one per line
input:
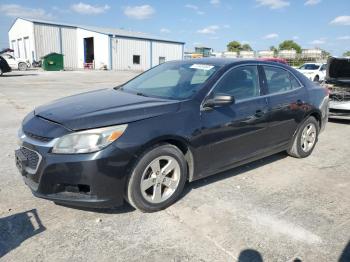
(219, 100)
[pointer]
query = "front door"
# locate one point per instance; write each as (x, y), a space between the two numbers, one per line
(237, 131)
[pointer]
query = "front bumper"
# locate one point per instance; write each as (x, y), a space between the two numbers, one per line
(88, 180)
(339, 109)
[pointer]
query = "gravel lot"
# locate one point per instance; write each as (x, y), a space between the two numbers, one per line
(276, 209)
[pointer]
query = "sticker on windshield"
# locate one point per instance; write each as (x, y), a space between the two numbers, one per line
(202, 67)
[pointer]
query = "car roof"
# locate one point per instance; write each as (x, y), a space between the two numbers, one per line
(224, 61)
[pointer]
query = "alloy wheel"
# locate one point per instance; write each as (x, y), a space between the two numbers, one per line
(308, 137)
(160, 179)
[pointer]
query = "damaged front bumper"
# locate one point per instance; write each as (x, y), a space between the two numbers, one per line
(339, 105)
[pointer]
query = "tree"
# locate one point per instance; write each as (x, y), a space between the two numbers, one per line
(325, 54)
(290, 45)
(246, 47)
(347, 53)
(274, 49)
(234, 46)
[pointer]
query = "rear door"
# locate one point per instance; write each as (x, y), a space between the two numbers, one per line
(287, 101)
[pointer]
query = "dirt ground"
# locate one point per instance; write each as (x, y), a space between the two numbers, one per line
(275, 209)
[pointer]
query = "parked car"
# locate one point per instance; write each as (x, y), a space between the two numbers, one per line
(180, 121)
(16, 63)
(338, 82)
(4, 66)
(314, 71)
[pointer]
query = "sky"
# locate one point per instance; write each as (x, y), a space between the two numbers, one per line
(213, 23)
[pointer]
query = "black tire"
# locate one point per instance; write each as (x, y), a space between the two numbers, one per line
(134, 195)
(1, 72)
(22, 66)
(296, 149)
(317, 79)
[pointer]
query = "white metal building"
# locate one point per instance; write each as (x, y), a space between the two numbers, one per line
(85, 45)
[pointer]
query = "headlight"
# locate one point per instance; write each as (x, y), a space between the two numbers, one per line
(88, 141)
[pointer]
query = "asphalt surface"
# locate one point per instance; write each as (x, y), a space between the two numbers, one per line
(275, 209)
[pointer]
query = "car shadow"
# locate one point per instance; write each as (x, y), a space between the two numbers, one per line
(126, 208)
(17, 228)
(233, 172)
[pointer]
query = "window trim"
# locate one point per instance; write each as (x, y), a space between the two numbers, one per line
(202, 108)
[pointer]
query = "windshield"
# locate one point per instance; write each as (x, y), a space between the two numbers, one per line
(309, 67)
(171, 80)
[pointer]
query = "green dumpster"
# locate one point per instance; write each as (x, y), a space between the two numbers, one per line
(52, 62)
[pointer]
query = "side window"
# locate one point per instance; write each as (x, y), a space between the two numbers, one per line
(241, 82)
(294, 82)
(279, 80)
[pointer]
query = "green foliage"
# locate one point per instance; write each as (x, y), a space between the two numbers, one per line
(234, 46)
(290, 45)
(246, 47)
(347, 53)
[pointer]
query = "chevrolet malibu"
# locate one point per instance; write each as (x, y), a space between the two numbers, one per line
(180, 121)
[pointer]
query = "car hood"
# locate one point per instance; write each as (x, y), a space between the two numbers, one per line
(104, 107)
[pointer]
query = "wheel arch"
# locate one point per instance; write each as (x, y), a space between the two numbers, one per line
(181, 143)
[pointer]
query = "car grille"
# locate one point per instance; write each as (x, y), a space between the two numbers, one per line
(33, 158)
(39, 138)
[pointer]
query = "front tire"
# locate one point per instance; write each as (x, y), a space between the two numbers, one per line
(158, 178)
(1, 72)
(305, 139)
(317, 79)
(22, 66)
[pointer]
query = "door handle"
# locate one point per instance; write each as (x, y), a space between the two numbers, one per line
(259, 113)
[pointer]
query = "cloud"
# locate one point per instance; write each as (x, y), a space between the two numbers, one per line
(296, 37)
(345, 37)
(209, 30)
(271, 36)
(165, 30)
(195, 8)
(320, 41)
(273, 4)
(215, 2)
(139, 12)
(14, 10)
(87, 9)
(312, 2)
(341, 20)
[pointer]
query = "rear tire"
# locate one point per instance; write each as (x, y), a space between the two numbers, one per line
(22, 66)
(1, 72)
(158, 178)
(305, 139)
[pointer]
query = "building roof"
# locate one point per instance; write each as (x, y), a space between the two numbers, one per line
(106, 31)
